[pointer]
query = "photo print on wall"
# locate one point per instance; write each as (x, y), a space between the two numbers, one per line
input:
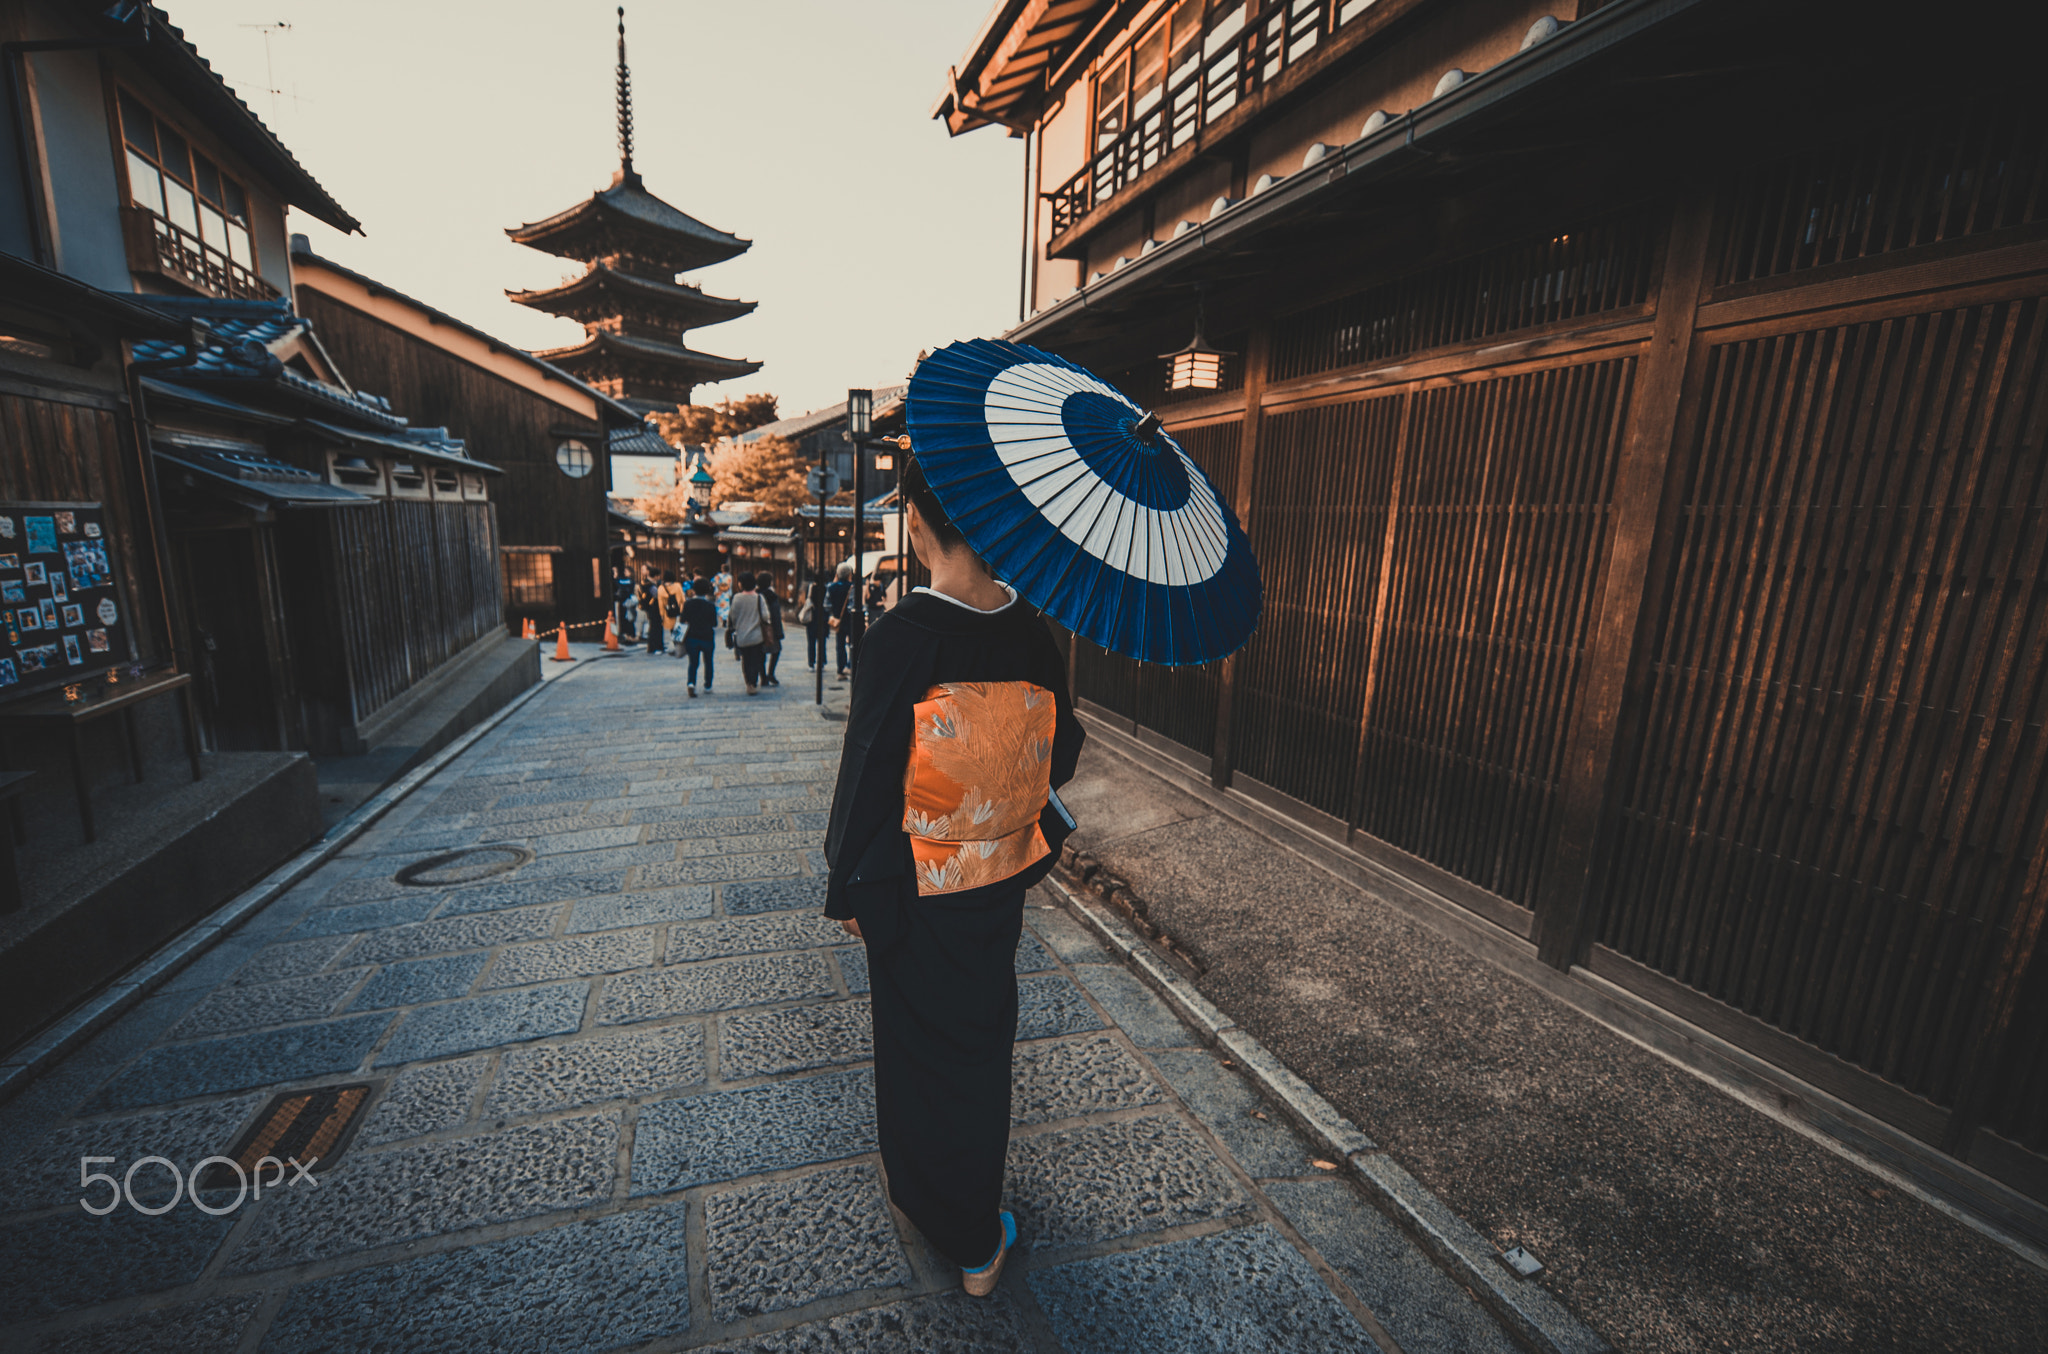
(87, 563)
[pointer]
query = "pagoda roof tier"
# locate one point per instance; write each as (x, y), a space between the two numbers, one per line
(627, 219)
(606, 290)
(607, 353)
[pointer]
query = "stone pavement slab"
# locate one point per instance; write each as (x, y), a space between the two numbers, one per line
(622, 1096)
(786, 1243)
(592, 1284)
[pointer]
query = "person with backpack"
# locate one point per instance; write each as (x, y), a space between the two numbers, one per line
(671, 600)
(700, 633)
(817, 626)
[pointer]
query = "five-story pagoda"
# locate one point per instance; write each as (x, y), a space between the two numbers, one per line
(633, 311)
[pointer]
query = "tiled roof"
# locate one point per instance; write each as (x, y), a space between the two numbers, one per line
(303, 251)
(190, 75)
(243, 332)
(641, 439)
(630, 199)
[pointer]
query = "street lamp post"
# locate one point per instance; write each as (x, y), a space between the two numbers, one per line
(860, 409)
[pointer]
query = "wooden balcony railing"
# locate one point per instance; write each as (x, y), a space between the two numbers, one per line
(156, 246)
(1245, 48)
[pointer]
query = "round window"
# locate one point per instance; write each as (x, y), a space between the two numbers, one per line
(575, 459)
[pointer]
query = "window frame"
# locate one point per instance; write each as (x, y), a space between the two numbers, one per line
(124, 97)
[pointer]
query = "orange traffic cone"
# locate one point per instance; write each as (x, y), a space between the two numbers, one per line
(562, 644)
(611, 634)
(526, 631)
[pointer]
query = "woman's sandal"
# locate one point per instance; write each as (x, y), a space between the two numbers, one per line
(981, 1282)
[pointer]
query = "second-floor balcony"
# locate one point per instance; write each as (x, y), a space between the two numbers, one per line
(1242, 49)
(160, 248)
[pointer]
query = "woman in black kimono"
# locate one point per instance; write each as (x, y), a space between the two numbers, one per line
(960, 728)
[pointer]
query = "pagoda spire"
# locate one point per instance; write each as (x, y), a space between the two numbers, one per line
(634, 312)
(626, 173)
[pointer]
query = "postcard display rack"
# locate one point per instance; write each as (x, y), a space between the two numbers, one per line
(62, 615)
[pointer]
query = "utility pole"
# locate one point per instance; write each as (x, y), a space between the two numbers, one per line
(824, 484)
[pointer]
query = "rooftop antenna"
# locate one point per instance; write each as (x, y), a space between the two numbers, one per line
(626, 173)
(270, 31)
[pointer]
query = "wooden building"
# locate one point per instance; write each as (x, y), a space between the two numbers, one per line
(235, 556)
(634, 312)
(551, 434)
(1636, 409)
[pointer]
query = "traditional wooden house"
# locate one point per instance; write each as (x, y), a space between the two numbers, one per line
(1635, 408)
(634, 312)
(214, 592)
(552, 434)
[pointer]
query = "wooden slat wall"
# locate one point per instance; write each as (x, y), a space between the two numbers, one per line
(1844, 768)
(1927, 182)
(1320, 496)
(419, 583)
(1498, 551)
(57, 452)
(1818, 822)
(1176, 703)
(1601, 265)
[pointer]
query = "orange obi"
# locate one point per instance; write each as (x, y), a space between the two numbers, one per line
(979, 774)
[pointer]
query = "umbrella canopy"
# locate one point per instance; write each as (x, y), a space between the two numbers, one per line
(1076, 498)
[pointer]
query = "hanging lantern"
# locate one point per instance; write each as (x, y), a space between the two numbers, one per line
(1197, 366)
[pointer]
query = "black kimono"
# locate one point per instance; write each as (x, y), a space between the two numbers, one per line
(960, 724)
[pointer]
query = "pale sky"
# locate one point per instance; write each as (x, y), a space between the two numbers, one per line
(798, 124)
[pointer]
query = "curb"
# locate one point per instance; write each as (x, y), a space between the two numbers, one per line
(27, 1062)
(1528, 1310)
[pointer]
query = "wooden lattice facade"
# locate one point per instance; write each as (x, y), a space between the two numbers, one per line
(1656, 565)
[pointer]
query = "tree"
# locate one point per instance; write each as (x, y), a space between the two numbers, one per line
(764, 471)
(699, 425)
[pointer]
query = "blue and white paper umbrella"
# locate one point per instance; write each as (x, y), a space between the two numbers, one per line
(1076, 498)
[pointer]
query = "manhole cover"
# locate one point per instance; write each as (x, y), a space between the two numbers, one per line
(309, 1127)
(463, 867)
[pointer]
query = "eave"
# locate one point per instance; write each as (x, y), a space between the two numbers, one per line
(189, 76)
(605, 290)
(625, 218)
(1011, 62)
(673, 356)
(1416, 143)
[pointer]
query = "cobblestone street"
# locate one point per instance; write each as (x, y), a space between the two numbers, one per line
(620, 1098)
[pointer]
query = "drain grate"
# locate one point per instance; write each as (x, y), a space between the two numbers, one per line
(310, 1127)
(463, 867)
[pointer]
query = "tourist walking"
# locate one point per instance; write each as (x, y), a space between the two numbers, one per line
(746, 631)
(721, 591)
(650, 609)
(700, 633)
(771, 649)
(839, 614)
(960, 728)
(817, 626)
(671, 598)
